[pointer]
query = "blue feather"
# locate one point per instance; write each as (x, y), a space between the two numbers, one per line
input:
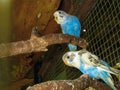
(92, 65)
(94, 72)
(72, 27)
(72, 47)
(105, 63)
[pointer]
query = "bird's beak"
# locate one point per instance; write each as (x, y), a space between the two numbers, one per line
(66, 62)
(56, 18)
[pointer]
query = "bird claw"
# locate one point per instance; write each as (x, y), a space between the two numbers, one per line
(84, 76)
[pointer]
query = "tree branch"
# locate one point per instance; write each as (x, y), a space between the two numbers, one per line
(77, 84)
(36, 44)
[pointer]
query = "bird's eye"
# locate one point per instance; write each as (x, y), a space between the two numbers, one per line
(68, 57)
(60, 12)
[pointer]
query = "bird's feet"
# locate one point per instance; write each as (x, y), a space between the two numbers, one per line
(84, 76)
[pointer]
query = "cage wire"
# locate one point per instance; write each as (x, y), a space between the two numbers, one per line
(102, 33)
(60, 69)
(103, 30)
(57, 67)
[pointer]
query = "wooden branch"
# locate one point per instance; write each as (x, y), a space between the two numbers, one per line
(36, 44)
(77, 84)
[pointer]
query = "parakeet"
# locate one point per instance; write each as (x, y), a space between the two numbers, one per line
(69, 24)
(91, 65)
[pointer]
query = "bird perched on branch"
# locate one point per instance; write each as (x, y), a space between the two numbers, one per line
(90, 65)
(69, 24)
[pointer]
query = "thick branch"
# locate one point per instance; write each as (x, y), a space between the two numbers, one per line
(77, 84)
(39, 44)
(63, 38)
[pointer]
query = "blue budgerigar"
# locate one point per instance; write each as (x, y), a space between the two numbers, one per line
(89, 64)
(69, 24)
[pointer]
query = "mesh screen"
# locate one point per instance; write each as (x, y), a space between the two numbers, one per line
(103, 35)
(103, 30)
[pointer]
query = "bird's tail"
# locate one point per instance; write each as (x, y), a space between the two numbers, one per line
(110, 83)
(116, 71)
(72, 47)
(106, 77)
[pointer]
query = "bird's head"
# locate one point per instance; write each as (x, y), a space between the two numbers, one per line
(71, 59)
(60, 16)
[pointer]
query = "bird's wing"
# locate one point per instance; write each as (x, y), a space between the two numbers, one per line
(77, 26)
(93, 60)
(107, 78)
(104, 65)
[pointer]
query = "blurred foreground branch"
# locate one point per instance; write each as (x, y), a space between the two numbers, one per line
(77, 84)
(36, 44)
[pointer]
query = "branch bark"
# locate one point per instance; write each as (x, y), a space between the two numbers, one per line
(36, 44)
(77, 84)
